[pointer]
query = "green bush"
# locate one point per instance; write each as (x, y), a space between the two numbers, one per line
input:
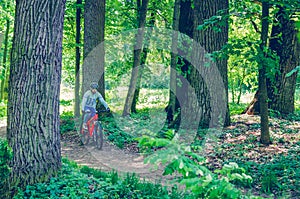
(5, 157)
(236, 109)
(3, 109)
(194, 175)
(67, 122)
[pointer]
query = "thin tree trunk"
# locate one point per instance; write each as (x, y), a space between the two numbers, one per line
(4, 61)
(94, 53)
(172, 93)
(241, 86)
(34, 87)
(142, 12)
(185, 27)
(262, 86)
(281, 89)
(143, 62)
(77, 67)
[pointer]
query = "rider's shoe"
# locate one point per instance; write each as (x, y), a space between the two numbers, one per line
(85, 126)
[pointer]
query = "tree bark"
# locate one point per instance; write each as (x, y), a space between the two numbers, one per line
(94, 53)
(185, 28)
(207, 81)
(77, 66)
(142, 12)
(173, 65)
(34, 86)
(281, 89)
(143, 62)
(262, 86)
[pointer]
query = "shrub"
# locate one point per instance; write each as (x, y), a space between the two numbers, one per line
(194, 175)
(3, 109)
(5, 157)
(67, 122)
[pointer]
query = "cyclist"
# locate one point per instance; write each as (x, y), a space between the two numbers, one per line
(89, 103)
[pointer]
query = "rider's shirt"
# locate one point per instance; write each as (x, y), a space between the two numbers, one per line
(90, 100)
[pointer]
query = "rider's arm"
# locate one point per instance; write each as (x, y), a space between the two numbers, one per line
(85, 96)
(102, 101)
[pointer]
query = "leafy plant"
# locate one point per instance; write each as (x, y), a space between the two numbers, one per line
(5, 157)
(84, 182)
(269, 182)
(197, 178)
(65, 102)
(3, 109)
(67, 122)
(115, 134)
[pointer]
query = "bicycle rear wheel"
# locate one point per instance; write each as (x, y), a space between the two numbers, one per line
(99, 136)
(85, 137)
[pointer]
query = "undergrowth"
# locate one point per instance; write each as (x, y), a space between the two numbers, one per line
(74, 181)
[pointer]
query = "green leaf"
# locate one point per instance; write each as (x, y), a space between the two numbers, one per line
(295, 70)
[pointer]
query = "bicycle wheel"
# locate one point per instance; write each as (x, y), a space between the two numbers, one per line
(99, 136)
(85, 137)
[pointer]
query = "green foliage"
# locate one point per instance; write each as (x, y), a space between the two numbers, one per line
(85, 182)
(295, 70)
(5, 157)
(279, 176)
(3, 109)
(197, 178)
(236, 109)
(65, 102)
(67, 122)
(115, 134)
(69, 45)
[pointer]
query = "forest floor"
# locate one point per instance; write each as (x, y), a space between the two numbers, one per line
(243, 133)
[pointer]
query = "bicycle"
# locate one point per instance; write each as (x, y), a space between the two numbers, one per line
(94, 130)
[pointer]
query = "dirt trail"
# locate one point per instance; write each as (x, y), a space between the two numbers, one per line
(108, 159)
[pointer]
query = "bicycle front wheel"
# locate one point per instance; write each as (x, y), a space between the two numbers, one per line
(99, 136)
(85, 137)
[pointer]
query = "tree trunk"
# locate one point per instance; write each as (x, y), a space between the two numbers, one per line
(210, 83)
(143, 62)
(253, 108)
(93, 54)
(77, 67)
(262, 86)
(34, 86)
(142, 12)
(4, 61)
(281, 89)
(172, 93)
(185, 27)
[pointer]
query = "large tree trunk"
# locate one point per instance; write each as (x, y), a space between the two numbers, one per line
(34, 86)
(77, 66)
(142, 12)
(281, 89)
(93, 54)
(210, 83)
(262, 86)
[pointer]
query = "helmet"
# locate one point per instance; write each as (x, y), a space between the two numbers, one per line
(93, 85)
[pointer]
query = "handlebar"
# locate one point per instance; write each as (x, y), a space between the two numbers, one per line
(98, 111)
(102, 111)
